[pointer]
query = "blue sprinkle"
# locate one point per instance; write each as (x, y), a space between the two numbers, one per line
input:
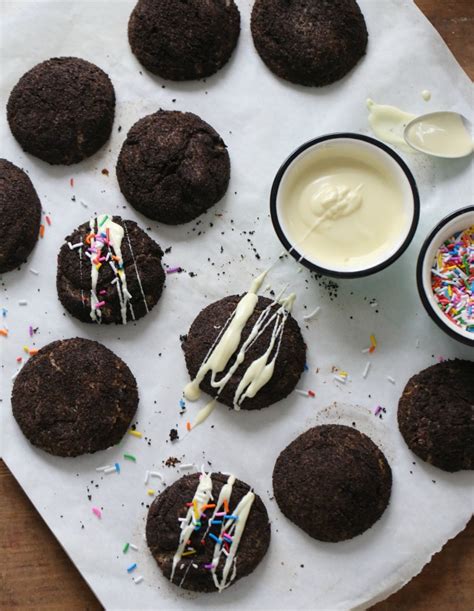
(216, 539)
(117, 467)
(306, 367)
(216, 522)
(182, 404)
(132, 567)
(231, 517)
(4, 312)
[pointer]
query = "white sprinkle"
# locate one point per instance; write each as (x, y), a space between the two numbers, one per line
(313, 314)
(303, 393)
(111, 263)
(156, 474)
(365, 350)
(74, 246)
(195, 566)
(417, 345)
(391, 380)
(138, 580)
(147, 477)
(374, 304)
(34, 271)
(182, 520)
(114, 281)
(133, 546)
(88, 254)
(127, 294)
(186, 466)
(22, 302)
(83, 204)
(182, 567)
(108, 256)
(103, 468)
(225, 551)
(366, 370)
(340, 379)
(110, 470)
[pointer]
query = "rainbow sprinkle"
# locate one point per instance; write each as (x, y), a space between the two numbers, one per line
(452, 279)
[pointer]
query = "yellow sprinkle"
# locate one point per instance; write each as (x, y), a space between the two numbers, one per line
(150, 492)
(26, 349)
(134, 433)
(196, 513)
(189, 553)
(373, 341)
(344, 374)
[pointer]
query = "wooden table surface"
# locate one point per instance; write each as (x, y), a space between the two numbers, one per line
(36, 573)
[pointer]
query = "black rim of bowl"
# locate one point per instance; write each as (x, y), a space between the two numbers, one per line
(419, 277)
(317, 268)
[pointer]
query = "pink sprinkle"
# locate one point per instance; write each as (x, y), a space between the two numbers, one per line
(30, 331)
(378, 409)
(173, 270)
(71, 182)
(228, 537)
(221, 513)
(19, 359)
(440, 359)
(103, 292)
(97, 512)
(48, 220)
(99, 304)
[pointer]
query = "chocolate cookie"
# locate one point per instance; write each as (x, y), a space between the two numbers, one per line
(62, 110)
(436, 415)
(309, 42)
(184, 40)
(109, 272)
(288, 348)
(74, 397)
(333, 482)
(20, 216)
(206, 531)
(173, 167)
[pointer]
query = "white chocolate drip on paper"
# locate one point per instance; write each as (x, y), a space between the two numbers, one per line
(260, 371)
(388, 123)
(233, 527)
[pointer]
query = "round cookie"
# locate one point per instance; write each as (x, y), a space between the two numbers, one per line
(173, 167)
(333, 482)
(184, 39)
(20, 216)
(62, 110)
(436, 415)
(74, 397)
(166, 526)
(289, 363)
(111, 274)
(309, 42)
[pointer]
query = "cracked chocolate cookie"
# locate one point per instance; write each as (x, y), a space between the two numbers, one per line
(173, 167)
(309, 42)
(109, 271)
(436, 415)
(333, 482)
(184, 39)
(74, 397)
(20, 216)
(275, 332)
(207, 531)
(62, 110)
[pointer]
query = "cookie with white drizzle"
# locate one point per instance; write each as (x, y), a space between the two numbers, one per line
(206, 531)
(109, 271)
(247, 352)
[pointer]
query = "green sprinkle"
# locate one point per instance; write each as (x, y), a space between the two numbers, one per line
(130, 457)
(103, 220)
(125, 548)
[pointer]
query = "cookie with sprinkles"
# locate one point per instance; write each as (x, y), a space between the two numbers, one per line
(436, 415)
(173, 166)
(62, 110)
(206, 531)
(262, 367)
(109, 271)
(333, 482)
(20, 216)
(74, 397)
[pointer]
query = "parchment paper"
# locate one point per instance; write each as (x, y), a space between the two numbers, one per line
(262, 119)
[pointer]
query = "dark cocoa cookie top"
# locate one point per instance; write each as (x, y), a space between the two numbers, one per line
(207, 533)
(436, 415)
(173, 167)
(74, 397)
(62, 110)
(184, 39)
(289, 364)
(111, 273)
(309, 42)
(20, 216)
(333, 482)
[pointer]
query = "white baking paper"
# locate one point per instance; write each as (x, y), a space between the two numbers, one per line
(262, 119)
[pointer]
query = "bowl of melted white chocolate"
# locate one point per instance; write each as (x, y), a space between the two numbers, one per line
(345, 205)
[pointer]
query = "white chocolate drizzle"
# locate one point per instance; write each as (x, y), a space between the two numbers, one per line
(231, 530)
(260, 371)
